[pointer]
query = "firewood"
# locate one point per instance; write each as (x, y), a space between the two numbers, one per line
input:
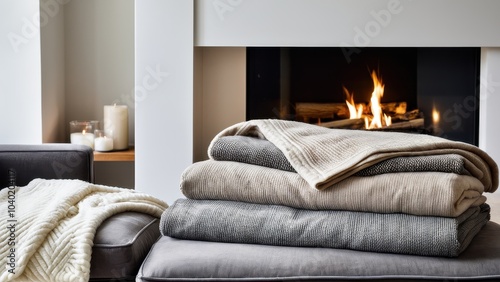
(307, 111)
(407, 116)
(394, 108)
(345, 123)
(415, 123)
(312, 111)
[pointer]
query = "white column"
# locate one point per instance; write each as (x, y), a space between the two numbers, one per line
(489, 133)
(163, 95)
(20, 72)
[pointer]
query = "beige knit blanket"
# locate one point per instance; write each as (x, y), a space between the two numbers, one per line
(324, 156)
(422, 193)
(49, 237)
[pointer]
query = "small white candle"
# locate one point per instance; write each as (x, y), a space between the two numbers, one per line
(116, 125)
(82, 138)
(103, 144)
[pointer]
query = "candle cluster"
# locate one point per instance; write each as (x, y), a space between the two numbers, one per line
(113, 137)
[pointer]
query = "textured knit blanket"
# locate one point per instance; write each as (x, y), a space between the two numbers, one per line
(227, 221)
(261, 152)
(324, 156)
(53, 224)
(419, 193)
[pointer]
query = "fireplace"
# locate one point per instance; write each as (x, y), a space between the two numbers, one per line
(206, 91)
(438, 87)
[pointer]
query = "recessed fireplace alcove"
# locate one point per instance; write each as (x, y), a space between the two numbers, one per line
(440, 84)
(204, 53)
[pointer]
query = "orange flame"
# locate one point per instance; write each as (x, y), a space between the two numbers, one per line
(378, 119)
(378, 92)
(354, 112)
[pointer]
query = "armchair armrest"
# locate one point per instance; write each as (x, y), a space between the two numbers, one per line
(49, 161)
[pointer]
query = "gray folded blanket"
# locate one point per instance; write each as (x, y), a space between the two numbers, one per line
(418, 193)
(249, 150)
(238, 222)
(261, 152)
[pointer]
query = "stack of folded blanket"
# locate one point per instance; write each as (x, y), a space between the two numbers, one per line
(288, 183)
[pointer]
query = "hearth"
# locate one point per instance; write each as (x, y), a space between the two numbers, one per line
(433, 90)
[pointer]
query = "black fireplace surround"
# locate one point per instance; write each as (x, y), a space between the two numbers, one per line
(444, 78)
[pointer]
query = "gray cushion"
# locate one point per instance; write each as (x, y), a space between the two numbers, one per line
(121, 244)
(173, 259)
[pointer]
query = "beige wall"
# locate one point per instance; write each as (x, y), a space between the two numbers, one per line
(99, 70)
(220, 93)
(99, 58)
(53, 74)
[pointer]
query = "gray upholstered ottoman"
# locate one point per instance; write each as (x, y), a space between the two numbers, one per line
(184, 260)
(121, 244)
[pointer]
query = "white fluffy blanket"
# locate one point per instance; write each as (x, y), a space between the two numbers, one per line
(324, 156)
(54, 225)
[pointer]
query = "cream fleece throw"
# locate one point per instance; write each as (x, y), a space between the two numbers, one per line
(324, 156)
(418, 193)
(56, 221)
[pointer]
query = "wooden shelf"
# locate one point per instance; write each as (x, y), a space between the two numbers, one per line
(115, 156)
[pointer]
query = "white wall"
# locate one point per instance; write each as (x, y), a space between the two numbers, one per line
(489, 134)
(347, 23)
(164, 95)
(20, 72)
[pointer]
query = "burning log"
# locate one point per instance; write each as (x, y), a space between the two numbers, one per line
(410, 124)
(407, 116)
(395, 108)
(357, 123)
(377, 115)
(313, 111)
(336, 115)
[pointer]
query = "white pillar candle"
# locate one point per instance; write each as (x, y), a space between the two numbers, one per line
(116, 125)
(82, 138)
(103, 144)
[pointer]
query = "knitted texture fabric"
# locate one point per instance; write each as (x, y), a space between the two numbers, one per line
(324, 156)
(419, 193)
(261, 152)
(55, 224)
(237, 222)
(251, 151)
(440, 163)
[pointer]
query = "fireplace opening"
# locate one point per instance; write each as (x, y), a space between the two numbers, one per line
(433, 90)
